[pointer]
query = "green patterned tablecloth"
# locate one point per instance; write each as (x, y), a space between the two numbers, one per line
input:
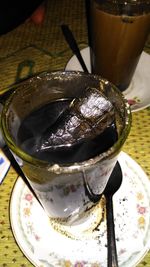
(31, 49)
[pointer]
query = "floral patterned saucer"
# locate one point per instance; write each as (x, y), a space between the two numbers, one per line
(138, 93)
(45, 247)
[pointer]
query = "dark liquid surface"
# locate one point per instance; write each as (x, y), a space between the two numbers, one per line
(35, 124)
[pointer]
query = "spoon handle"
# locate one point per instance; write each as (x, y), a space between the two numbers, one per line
(73, 45)
(17, 168)
(111, 241)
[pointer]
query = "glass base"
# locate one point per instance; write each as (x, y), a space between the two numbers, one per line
(84, 227)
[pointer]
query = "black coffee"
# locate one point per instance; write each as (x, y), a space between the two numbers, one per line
(39, 134)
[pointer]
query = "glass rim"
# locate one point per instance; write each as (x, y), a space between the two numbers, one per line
(70, 167)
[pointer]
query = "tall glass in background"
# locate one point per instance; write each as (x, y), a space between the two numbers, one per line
(118, 32)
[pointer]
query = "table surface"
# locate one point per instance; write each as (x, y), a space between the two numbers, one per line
(30, 49)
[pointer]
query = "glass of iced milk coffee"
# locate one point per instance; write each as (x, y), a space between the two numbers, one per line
(67, 128)
(118, 32)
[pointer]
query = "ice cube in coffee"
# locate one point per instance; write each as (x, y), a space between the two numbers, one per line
(73, 130)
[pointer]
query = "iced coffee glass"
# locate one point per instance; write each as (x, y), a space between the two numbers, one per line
(61, 188)
(118, 32)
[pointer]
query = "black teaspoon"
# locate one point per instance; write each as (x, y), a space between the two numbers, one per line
(73, 45)
(112, 186)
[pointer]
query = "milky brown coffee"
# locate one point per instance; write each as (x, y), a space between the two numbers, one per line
(117, 42)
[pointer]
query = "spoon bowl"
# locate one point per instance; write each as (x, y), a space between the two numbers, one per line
(114, 181)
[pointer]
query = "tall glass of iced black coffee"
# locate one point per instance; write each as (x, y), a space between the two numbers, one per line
(67, 128)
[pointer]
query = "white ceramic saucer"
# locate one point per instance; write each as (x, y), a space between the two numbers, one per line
(4, 166)
(45, 247)
(138, 93)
